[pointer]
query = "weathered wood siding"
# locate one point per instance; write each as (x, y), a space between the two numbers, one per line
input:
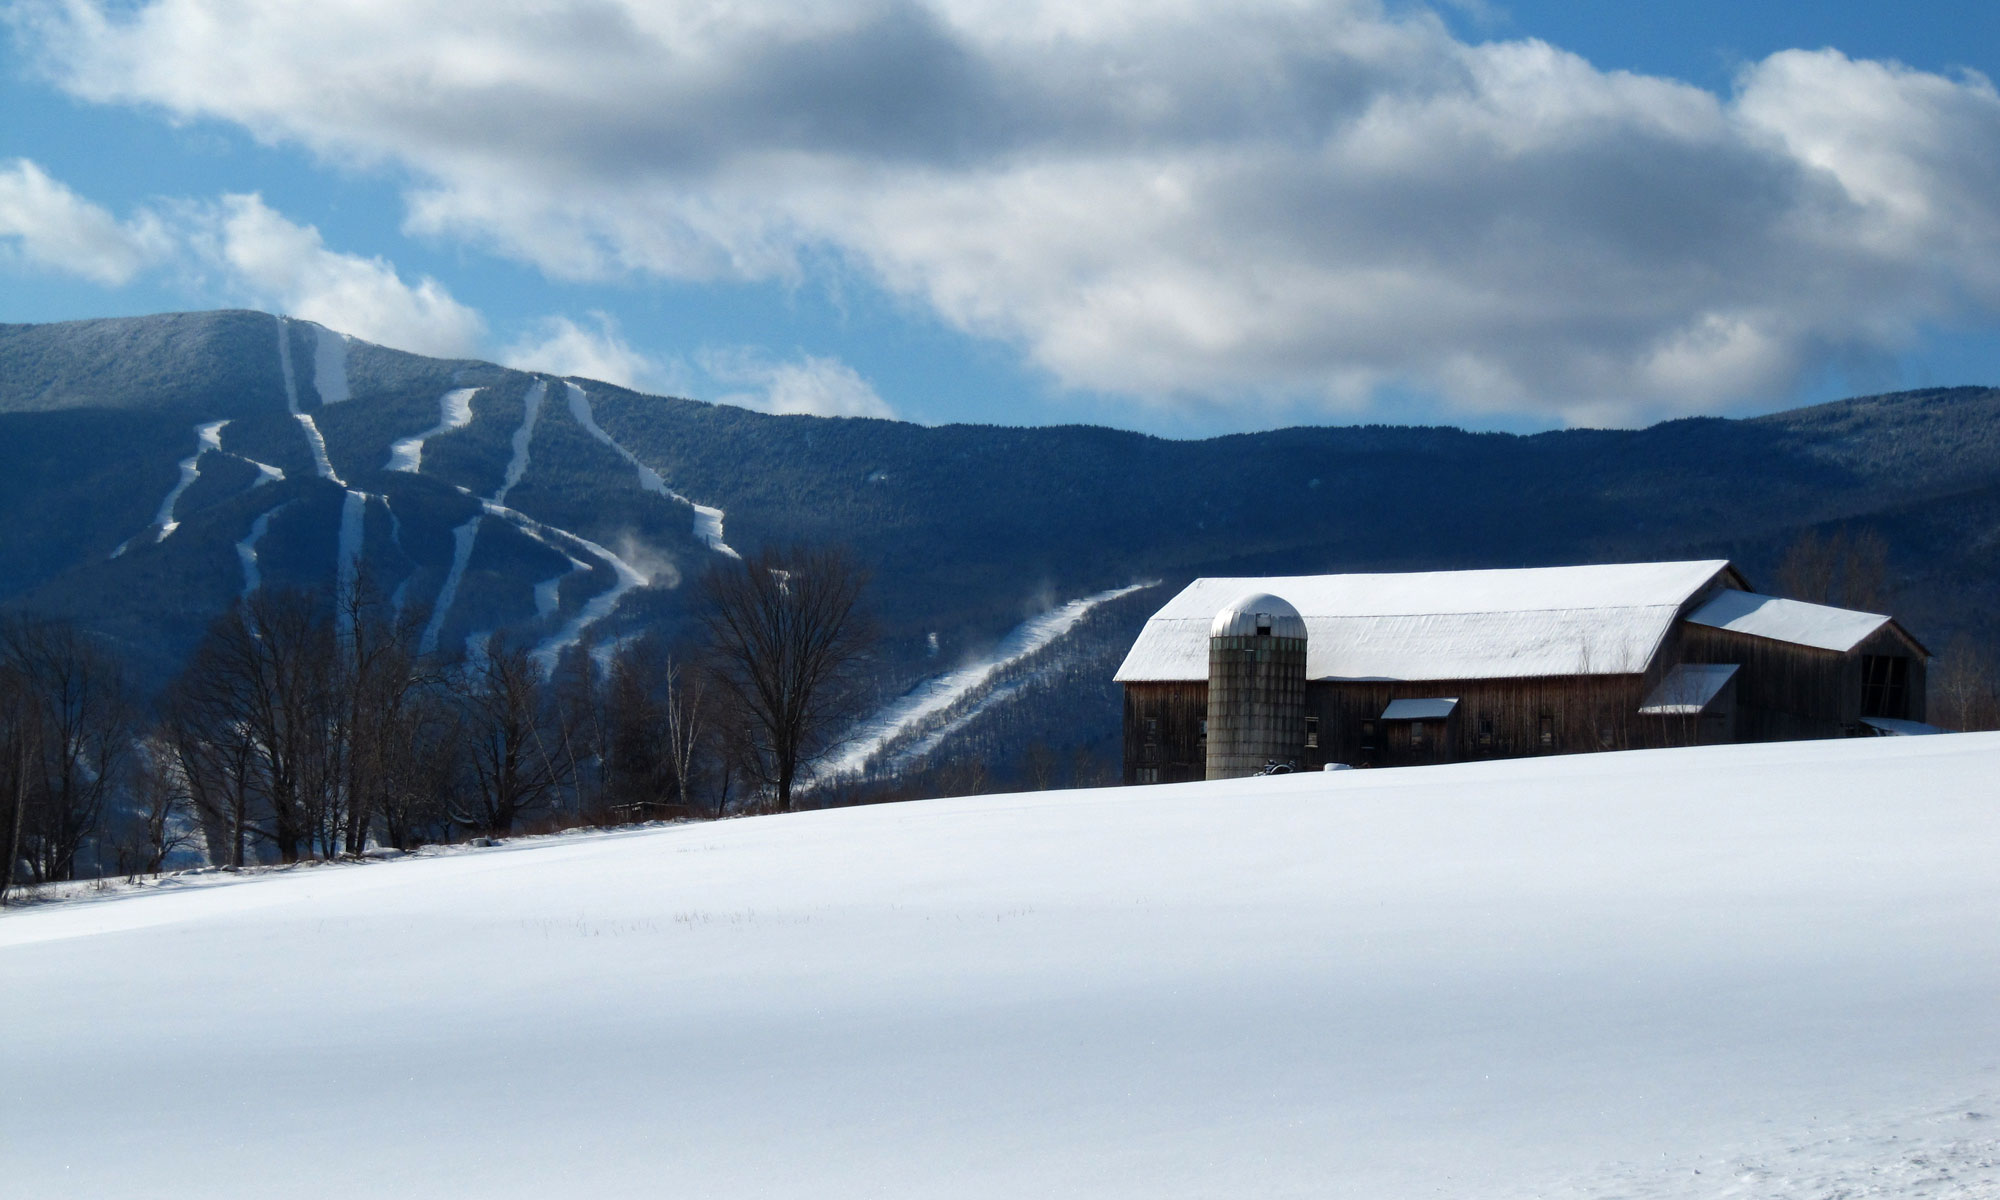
(1787, 691)
(1494, 718)
(1510, 718)
(1163, 732)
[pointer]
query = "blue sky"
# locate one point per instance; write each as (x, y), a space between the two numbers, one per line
(1186, 218)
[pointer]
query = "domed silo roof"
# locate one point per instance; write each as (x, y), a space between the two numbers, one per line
(1245, 615)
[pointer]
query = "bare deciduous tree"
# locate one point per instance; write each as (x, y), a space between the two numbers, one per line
(1964, 690)
(514, 742)
(1848, 569)
(79, 717)
(786, 633)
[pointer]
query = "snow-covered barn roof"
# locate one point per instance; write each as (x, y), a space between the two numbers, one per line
(1540, 621)
(1793, 621)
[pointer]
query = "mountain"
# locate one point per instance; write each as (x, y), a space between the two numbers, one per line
(151, 467)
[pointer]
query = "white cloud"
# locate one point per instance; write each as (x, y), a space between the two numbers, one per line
(561, 346)
(821, 387)
(1207, 199)
(275, 262)
(54, 228)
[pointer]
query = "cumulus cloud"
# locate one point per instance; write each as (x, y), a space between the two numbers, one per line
(1209, 199)
(561, 346)
(255, 254)
(279, 263)
(52, 227)
(809, 384)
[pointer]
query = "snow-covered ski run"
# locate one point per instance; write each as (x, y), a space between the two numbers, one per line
(462, 539)
(207, 437)
(524, 437)
(707, 518)
(316, 443)
(330, 365)
(466, 536)
(454, 412)
(246, 550)
(353, 528)
(934, 696)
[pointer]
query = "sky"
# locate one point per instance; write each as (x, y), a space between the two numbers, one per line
(1187, 217)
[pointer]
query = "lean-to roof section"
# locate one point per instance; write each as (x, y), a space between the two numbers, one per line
(1795, 621)
(1539, 621)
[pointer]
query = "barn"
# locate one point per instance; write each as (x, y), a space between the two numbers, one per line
(1443, 666)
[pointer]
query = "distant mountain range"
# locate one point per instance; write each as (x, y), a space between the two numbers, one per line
(151, 468)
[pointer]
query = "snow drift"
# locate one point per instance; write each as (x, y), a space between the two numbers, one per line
(1735, 971)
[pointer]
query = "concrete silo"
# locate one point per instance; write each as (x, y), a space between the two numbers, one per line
(1256, 686)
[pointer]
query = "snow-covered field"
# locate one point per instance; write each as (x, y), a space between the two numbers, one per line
(1753, 971)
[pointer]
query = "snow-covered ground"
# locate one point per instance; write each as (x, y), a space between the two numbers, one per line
(1748, 971)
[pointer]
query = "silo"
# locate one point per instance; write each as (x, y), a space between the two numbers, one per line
(1256, 686)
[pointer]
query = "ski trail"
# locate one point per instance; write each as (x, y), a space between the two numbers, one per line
(321, 462)
(454, 412)
(246, 550)
(517, 466)
(353, 527)
(600, 606)
(207, 437)
(396, 536)
(462, 539)
(707, 519)
(934, 696)
(330, 366)
(467, 534)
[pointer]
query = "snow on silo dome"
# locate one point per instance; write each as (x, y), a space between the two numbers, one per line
(1248, 614)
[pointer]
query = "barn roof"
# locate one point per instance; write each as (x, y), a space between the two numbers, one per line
(1539, 621)
(1793, 621)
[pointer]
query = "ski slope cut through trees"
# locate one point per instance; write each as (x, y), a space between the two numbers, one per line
(707, 518)
(246, 550)
(1758, 971)
(454, 412)
(330, 366)
(908, 714)
(314, 442)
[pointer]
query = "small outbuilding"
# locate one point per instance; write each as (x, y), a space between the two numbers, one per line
(1443, 666)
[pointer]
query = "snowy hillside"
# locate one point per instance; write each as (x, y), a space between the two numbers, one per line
(1738, 971)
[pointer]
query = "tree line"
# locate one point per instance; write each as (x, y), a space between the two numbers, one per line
(309, 726)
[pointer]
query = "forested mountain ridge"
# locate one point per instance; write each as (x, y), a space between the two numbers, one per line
(111, 431)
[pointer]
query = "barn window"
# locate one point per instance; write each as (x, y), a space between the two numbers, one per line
(1486, 731)
(1312, 733)
(1548, 737)
(1416, 735)
(1885, 686)
(1368, 736)
(1152, 728)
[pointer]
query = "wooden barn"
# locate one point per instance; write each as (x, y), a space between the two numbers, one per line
(1443, 666)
